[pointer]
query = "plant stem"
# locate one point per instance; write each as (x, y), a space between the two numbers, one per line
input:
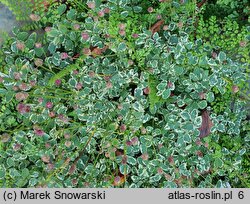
(83, 150)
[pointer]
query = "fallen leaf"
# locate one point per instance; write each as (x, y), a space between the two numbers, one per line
(119, 152)
(72, 169)
(98, 51)
(199, 5)
(156, 27)
(206, 124)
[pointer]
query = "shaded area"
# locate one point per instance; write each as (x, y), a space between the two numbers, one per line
(7, 19)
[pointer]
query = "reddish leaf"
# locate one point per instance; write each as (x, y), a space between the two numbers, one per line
(44, 3)
(72, 169)
(76, 56)
(98, 51)
(156, 27)
(119, 180)
(206, 124)
(199, 5)
(119, 152)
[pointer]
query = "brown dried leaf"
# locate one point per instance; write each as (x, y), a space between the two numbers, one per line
(98, 51)
(119, 152)
(199, 5)
(156, 27)
(72, 169)
(44, 3)
(206, 124)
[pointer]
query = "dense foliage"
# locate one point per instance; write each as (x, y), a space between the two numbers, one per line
(23, 8)
(124, 93)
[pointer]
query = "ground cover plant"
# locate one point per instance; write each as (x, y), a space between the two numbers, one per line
(123, 93)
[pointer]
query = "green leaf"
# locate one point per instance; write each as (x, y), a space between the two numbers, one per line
(39, 51)
(170, 184)
(56, 59)
(69, 45)
(72, 82)
(202, 104)
(153, 98)
(194, 114)
(131, 160)
(220, 184)
(30, 43)
(212, 62)
(10, 162)
(22, 36)
(189, 45)
(124, 169)
(3, 91)
(137, 9)
(33, 118)
(53, 33)
(242, 151)
(193, 77)
(121, 47)
(113, 127)
(62, 73)
(61, 9)
(52, 48)
(33, 182)
(71, 15)
(210, 97)
(221, 127)
(218, 163)
(225, 151)
(213, 80)
(180, 142)
(89, 169)
(155, 178)
(203, 61)
(188, 126)
(124, 14)
(198, 121)
(166, 93)
(180, 103)
(13, 47)
(14, 173)
(25, 173)
(172, 26)
(9, 95)
(15, 31)
(173, 40)
(192, 60)
(9, 59)
(152, 63)
(178, 70)
(185, 115)
(222, 56)
(187, 138)
(161, 86)
(2, 173)
(33, 36)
